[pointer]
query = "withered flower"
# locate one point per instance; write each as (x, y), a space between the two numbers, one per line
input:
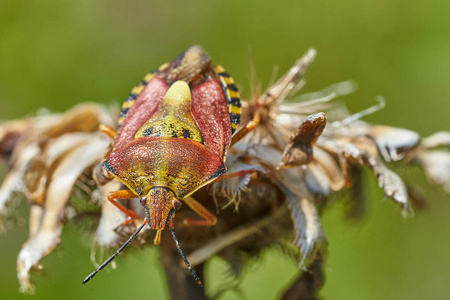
(303, 150)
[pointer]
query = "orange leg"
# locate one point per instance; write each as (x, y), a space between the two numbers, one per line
(107, 130)
(209, 218)
(234, 174)
(250, 126)
(123, 194)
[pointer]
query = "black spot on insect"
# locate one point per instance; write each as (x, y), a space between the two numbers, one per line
(232, 87)
(107, 166)
(148, 131)
(219, 172)
(235, 119)
(174, 133)
(235, 102)
(186, 133)
(224, 74)
(143, 82)
(124, 111)
(132, 97)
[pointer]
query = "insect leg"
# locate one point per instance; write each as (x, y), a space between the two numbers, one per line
(209, 218)
(123, 194)
(235, 174)
(107, 130)
(250, 126)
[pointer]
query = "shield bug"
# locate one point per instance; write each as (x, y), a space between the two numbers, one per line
(174, 132)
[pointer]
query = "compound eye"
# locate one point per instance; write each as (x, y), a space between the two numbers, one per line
(143, 201)
(176, 204)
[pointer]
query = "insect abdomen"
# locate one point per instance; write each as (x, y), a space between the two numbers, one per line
(231, 94)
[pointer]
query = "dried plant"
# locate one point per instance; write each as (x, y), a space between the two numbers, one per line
(304, 150)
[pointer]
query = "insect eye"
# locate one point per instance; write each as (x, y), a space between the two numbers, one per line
(176, 204)
(143, 201)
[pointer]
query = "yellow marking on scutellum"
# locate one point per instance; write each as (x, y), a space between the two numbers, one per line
(173, 117)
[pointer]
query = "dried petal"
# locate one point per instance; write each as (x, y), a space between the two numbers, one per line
(13, 179)
(299, 151)
(316, 180)
(110, 218)
(328, 165)
(309, 235)
(59, 190)
(393, 142)
(416, 198)
(439, 139)
(362, 151)
(393, 186)
(10, 133)
(437, 167)
(42, 166)
(231, 188)
(276, 93)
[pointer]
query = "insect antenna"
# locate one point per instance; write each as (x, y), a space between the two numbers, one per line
(199, 282)
(115, 254)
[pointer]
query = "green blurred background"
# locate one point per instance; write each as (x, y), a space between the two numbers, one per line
(56, 54)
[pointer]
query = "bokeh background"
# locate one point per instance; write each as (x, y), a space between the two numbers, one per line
(56, 54)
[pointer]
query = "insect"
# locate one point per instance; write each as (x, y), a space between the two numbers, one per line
(174, 132)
